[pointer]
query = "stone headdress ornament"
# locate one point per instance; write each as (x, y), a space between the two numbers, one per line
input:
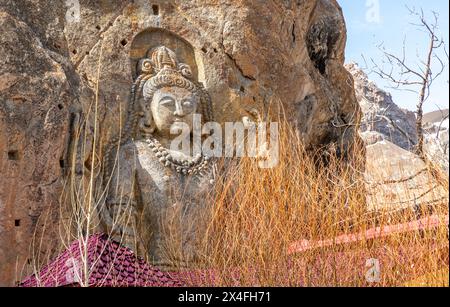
(161, 68)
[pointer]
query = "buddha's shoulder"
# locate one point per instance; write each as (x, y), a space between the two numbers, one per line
(133, 146)
(138, 149)
(131, 149)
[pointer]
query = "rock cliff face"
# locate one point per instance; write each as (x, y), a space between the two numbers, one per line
(36, 96)
(58, 58)
(382, 118)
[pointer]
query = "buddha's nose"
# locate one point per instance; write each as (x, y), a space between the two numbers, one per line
(178, 109)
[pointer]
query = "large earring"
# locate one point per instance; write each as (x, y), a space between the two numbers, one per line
(146, 123)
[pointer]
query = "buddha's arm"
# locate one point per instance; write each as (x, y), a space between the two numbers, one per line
(120, 206)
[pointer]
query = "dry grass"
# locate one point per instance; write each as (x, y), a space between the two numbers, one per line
(82, 199)
(259, 213)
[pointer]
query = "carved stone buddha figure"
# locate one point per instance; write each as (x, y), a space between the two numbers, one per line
(157, 200)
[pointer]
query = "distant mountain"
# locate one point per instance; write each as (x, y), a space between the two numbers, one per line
(382, 118)
(435, 117)
(383, 121)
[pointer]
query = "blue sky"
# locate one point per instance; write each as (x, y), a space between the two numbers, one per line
(371, 22)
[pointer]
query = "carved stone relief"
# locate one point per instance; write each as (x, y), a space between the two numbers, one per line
(158, 197)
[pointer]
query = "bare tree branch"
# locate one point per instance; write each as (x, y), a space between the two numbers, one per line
(402, 76)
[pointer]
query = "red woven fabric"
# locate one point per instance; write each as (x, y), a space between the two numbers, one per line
(109, 265)
(112, 265)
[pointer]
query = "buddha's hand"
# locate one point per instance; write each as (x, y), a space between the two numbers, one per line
(120, 217)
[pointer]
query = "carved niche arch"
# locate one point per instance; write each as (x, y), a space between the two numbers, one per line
(154, 37)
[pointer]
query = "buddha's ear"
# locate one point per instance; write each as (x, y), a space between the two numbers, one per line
(146, 123)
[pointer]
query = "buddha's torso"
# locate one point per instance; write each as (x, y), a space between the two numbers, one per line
(169, 195)
(173, 206)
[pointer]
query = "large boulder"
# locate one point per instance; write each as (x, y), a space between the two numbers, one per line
(436, 138)
(398, 179)
(251, 57)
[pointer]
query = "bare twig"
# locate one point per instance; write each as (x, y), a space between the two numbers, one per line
(419, 79)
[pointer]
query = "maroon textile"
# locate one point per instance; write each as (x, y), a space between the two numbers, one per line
(109, 265)
(112, 265)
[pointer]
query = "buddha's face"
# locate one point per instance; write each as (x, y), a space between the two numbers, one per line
(172, 106)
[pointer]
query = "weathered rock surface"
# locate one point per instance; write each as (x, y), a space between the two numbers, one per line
(244, 66)
(436, 138)
(398, 179)
(35, 101)
(382, 119)
(249, 55)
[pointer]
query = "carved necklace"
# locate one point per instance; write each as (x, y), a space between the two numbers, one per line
(195, 167)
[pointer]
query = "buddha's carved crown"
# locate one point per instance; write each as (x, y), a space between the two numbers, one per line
(164, 57)
(163, 61)
(161, 68)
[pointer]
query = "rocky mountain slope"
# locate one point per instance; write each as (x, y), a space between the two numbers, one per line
(395, 176)
(382, 118)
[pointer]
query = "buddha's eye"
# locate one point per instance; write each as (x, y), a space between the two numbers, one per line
(188, 103)
(167, 102)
